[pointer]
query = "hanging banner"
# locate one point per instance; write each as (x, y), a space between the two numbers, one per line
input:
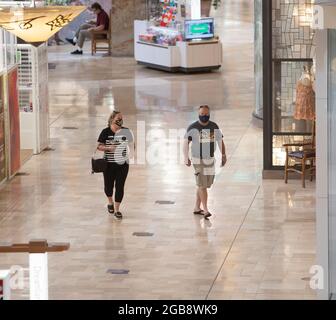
(36, 25)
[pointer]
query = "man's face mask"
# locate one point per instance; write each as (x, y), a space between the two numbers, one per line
(204, 119)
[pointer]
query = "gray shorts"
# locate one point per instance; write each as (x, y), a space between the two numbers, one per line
(204, 172)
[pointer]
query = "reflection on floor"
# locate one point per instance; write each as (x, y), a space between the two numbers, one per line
(260, 243)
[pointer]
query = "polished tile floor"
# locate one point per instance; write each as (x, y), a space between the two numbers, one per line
(260, 243)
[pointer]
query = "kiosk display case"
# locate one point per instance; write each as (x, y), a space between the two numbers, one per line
(165, 49)
(161, 36)
(176, 38)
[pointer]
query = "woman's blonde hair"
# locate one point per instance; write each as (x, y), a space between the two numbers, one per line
(112, 116)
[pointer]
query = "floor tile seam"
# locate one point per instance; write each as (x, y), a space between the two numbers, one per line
(233, 242)
(57, 118)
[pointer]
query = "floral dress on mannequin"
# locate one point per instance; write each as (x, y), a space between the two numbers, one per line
(305, 97)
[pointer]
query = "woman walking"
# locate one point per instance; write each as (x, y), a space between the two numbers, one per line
(115, 142)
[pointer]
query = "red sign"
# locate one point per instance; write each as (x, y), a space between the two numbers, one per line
(1, 290)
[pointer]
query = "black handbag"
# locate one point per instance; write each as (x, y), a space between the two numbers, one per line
(98, 165)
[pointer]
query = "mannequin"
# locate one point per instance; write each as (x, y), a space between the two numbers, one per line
(306, 78)
(305, 96)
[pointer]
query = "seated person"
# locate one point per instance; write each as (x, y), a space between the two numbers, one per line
(85, 31)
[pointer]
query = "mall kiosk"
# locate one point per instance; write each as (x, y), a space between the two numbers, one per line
(179, 40)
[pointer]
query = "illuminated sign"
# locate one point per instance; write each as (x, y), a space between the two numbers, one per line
(37, 24)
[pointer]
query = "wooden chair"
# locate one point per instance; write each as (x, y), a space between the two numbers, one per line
(102, 37)
(303, 157)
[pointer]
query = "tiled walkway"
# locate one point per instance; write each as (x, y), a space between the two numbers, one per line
(260, 243)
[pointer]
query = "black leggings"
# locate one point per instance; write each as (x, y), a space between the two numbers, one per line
(115, 174)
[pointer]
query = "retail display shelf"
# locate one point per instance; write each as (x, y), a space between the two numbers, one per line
(153, 44)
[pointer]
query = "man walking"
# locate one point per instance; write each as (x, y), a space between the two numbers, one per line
(203, 135)
(85, 31)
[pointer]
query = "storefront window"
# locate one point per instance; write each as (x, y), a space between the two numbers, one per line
(286, 128)
(2, 136)
(289, 52)
(258, 60)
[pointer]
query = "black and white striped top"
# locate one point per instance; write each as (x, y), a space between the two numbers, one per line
(121, 140)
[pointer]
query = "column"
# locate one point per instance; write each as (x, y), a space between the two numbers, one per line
(124, 12)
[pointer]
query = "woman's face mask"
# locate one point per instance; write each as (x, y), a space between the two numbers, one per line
(119, 122)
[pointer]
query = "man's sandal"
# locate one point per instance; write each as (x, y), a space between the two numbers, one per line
(199, 213)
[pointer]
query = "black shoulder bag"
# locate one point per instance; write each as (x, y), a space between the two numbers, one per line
(98, 165)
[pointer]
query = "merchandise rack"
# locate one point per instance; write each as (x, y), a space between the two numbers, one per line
(33, 97)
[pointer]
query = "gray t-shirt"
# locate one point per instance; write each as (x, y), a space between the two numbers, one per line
(204, 139)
